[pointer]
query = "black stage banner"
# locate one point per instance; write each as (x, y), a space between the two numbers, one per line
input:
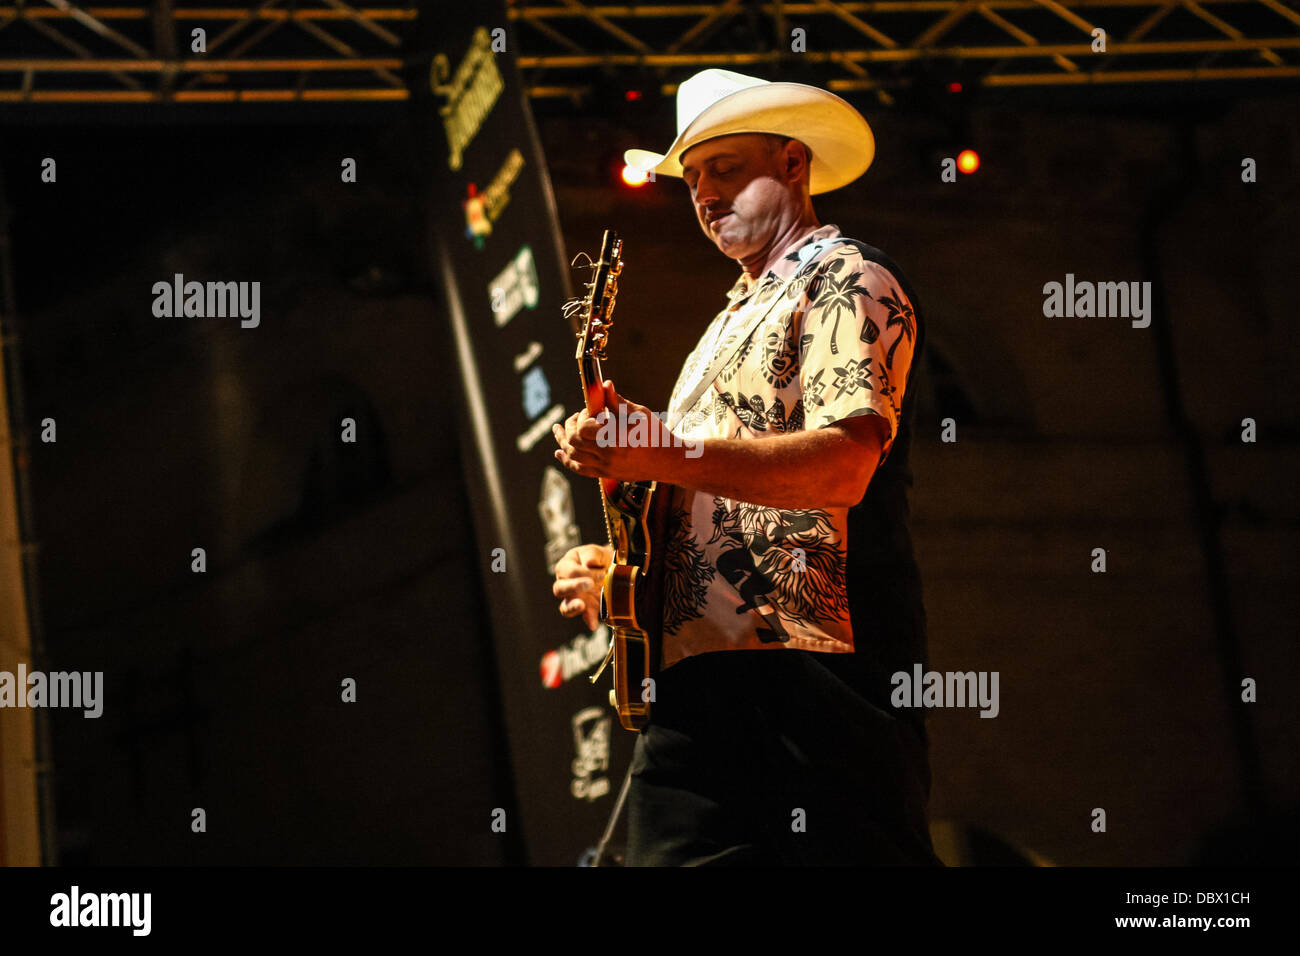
(505, 277)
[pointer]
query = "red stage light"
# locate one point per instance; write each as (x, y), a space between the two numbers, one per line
(968, 160)
(630, 95)
(954, 87)
(634, 177)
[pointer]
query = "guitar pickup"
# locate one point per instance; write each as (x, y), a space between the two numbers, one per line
(631, 497)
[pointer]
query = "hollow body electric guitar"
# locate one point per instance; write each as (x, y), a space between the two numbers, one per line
(635, 511)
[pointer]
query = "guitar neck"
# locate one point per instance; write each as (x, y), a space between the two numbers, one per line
(600, 307)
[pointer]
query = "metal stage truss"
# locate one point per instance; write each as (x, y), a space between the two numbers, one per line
(60, 51)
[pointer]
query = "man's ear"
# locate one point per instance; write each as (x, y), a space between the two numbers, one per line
(796, 160)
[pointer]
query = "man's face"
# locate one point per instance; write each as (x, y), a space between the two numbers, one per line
(736, 187)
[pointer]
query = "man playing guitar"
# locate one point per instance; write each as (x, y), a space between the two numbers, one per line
(790, 595)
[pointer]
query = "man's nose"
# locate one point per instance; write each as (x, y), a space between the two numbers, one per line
(706, 194)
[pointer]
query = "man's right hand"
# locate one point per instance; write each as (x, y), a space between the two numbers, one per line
(579, 576)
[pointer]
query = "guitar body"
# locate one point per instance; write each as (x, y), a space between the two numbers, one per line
(631, 598)
(635, 516)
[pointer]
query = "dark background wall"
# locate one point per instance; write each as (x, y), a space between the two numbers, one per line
(324, 564)
(325, 561)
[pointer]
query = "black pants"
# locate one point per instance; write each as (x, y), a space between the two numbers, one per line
(775, 758)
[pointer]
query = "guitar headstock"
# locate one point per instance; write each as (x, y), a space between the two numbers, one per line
(597, 308)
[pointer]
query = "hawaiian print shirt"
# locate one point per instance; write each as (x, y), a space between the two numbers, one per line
(834, 341)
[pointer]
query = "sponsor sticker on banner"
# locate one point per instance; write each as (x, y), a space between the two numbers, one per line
(555, 505)
(581, 654)
(591, 729)
(483, 209)
(471, 93)
(514, 287)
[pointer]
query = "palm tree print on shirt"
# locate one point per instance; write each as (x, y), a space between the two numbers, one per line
(900, 313)
(834, 294)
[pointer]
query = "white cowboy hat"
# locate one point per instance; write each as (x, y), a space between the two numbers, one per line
(716, 103)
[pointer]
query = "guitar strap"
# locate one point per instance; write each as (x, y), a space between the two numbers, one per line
(715, 369)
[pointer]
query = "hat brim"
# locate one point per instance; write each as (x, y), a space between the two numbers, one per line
(838, 135)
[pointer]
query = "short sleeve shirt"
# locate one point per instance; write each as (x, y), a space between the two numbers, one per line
(824, 336)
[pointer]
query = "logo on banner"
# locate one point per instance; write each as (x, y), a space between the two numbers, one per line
(528, 439)
(514, 287)
(470, 94)
(556, 508)
(568, 661)
(537, 392)
(537, 395)
(528, 356)
(482, 210)
(591, 727)
(477, 224)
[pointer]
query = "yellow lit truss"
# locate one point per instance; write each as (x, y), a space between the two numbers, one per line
(60, 51)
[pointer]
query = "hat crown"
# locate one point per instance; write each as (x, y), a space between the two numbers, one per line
(705, 88)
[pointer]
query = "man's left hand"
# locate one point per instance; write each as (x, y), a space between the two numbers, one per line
(596, 448)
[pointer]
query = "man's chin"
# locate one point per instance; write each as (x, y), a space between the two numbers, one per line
(728, 247)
